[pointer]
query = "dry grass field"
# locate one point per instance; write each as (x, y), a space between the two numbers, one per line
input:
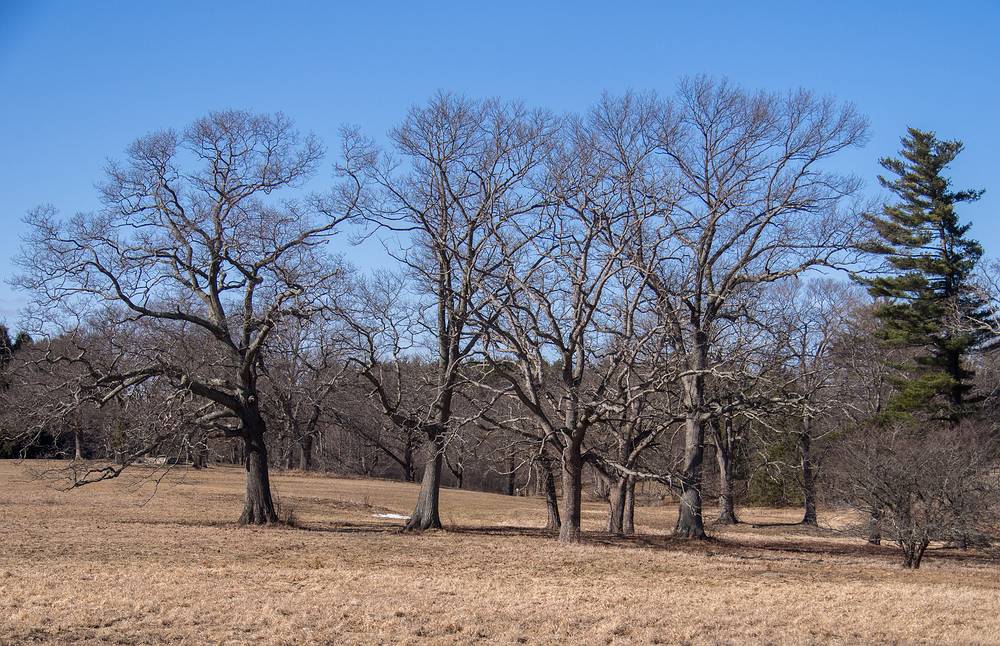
(110, 564)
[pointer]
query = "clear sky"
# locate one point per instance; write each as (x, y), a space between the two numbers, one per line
(80, 80)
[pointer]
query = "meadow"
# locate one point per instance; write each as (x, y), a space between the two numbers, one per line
(140, 561)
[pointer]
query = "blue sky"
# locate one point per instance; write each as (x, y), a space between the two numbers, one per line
(81, 80)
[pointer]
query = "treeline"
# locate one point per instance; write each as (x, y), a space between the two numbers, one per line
(674, 296)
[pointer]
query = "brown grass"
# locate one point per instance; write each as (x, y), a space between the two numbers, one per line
(109, 564)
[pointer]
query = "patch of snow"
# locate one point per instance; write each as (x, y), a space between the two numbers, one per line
(392, 516)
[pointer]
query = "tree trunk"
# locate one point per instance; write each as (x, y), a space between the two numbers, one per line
(616, 506)
(77, 452)
(201, 455)
(408, 474)
(808, 476)
(913, 553)
(511, 475)
(572, 477)
(551, 501)
(425, 515)
(724, 460)
(689, 520)
(258, 506)
(305, 452)
(875, 526)
(628, 522)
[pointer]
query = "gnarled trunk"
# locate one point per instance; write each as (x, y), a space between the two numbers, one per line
(572, 484)
(258, 506)
(425, 515)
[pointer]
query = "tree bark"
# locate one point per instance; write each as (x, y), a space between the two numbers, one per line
(551, 501)
(808, 476)
(616, 506)
(724, 460)
(913, 553)
(628, 522)
(689, 519)
(425, 515)
(572, 477)
(258, 506)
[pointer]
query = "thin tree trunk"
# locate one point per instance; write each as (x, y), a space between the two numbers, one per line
(808, 476)
(628, 522)
(572, 477)
(511, 475)
(425, 515)
(258, 506)
(77, 453)
(551, 501)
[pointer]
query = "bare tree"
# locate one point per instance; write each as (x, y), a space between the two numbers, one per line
(928, 484)
(565, 319)
(814, 318)
(461, 169)
(306, 367)
(755, 205)
(191, 246)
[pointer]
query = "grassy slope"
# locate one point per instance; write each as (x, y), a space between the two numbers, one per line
(110, 564)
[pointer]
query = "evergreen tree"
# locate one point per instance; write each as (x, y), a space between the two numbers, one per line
(926, 287)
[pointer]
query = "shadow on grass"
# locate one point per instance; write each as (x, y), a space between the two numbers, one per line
(783, 549)
(791, 549)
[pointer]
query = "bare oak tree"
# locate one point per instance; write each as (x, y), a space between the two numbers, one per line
(460, 168)
(755, 204)
(191, 246)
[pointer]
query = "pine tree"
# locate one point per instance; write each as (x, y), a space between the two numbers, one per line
(927, 284)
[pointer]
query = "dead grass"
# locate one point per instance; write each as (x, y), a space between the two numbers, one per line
(109, 564)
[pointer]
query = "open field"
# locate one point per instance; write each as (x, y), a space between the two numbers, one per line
(109, 564)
